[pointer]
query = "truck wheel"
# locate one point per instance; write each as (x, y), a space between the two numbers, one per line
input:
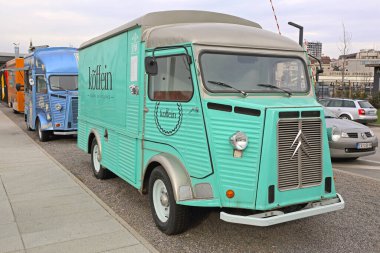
(169, 217)
(42, 135)
(100, 172)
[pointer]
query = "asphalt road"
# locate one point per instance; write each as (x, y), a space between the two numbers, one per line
(354, 229)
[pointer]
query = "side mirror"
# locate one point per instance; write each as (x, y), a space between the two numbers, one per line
(151, 66)
(318, 71)
(31, 81)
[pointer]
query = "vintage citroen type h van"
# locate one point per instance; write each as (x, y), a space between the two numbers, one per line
(205, 109)
(51, 91)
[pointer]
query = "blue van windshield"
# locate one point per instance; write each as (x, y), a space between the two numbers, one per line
(253, 73)
(63, 82)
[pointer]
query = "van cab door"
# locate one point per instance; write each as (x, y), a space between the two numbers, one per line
(174, 117)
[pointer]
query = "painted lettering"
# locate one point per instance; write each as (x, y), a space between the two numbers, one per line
(167, 114)
(98, 79)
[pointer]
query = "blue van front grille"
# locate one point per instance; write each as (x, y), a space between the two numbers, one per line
(74, 108)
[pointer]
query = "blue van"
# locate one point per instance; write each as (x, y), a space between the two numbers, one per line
(51, 91)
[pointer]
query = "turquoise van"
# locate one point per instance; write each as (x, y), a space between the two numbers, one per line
(204, 109)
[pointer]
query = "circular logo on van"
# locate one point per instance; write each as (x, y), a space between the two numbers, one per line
(168, 119)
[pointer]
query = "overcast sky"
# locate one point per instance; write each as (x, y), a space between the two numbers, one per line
(71, 22)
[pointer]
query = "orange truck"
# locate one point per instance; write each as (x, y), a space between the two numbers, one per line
(15, 81)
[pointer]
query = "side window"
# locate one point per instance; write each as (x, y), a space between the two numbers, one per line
(335, 103)
(349, 104)
(27, 86)
(173, 80)
(323, 102)
(41, 85)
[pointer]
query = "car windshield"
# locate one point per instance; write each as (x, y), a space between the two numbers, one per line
(253, 73)
(329, 114)
(63, 82)
(365, 104)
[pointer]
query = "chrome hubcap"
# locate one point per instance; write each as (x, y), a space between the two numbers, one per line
(95, 158)
(161, 200)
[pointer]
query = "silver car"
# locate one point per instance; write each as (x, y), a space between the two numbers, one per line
(349, 139)
(353, 109)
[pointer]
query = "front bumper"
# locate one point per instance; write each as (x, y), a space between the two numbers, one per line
(276, 217)
(346, 147)
(65, 132)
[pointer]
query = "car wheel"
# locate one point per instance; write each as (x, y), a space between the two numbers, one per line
(42, 135)
(100, 172)
(345, 116)
(169, 217)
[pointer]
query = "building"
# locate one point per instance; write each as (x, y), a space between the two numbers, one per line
(315, 49)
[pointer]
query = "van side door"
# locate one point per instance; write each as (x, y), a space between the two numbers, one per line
(174, 115)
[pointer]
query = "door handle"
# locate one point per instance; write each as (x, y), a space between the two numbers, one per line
(196, 109)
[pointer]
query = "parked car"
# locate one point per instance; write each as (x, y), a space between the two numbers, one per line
(349, 139)
(353, 109)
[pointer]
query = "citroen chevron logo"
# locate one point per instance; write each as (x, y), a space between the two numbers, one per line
(301, 139)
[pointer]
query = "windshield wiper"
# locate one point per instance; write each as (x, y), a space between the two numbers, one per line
(274, 87)
(229, 86)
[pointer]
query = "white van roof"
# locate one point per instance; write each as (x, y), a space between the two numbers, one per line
(155, 19)
(216, 34)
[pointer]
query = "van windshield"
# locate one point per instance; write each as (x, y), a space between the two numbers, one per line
(63, 82)
(253, 73)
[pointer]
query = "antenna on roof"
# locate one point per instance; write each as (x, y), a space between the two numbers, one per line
(17, 50)
(275, 17)
(30, 46)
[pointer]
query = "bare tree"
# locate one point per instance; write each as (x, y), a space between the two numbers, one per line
(344, 49)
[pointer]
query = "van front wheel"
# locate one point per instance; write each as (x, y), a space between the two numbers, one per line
(42, 135)
(169, 217)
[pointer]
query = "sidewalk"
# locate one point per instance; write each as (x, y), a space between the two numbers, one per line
(43, 208)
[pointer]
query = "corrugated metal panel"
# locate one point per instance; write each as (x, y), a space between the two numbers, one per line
(189, 139)
(235, 173)
(58, 116)
(127, 150)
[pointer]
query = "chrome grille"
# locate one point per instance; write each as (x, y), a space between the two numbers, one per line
(299, 167)
(74, 108)
(352, 135)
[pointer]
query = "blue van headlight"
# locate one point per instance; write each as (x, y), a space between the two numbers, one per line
(239, 140)
(58, 107)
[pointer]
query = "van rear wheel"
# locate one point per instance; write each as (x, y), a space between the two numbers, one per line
(169, 217)
(100, 172)
(42, 135)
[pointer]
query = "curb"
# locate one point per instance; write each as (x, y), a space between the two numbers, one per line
(93, 195)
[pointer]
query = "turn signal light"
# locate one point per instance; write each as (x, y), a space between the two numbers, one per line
(57, 125)
(230, 194)
(361, 112)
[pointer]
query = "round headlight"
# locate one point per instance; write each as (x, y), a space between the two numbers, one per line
(335, 134)
(239, 141)
(58, 107)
